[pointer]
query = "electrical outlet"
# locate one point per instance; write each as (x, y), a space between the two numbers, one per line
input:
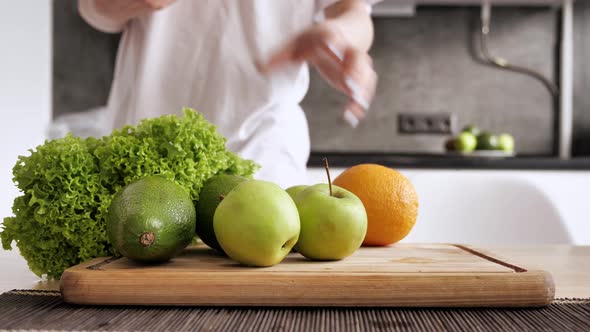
(426, 123)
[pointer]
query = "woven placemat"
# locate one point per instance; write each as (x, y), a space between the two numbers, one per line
(30, 310)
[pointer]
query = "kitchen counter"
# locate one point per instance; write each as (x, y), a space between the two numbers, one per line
(569, 265)
(442, 161)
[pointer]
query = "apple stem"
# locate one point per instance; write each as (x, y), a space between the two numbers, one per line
(328, 173)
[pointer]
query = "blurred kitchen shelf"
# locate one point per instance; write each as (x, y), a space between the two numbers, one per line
(448, 161)
(407, 8)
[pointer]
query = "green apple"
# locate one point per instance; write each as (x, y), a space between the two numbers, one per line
(295, 190)
(333, 226)
(506, 142)
(257, 223)
(466, 142)
(212, 193)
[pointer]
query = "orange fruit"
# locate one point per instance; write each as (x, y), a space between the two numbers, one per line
(390, 200)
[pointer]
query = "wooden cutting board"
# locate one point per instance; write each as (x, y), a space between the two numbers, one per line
(441, 275)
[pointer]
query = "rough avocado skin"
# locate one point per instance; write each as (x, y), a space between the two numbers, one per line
(155, 211)
(209, 198)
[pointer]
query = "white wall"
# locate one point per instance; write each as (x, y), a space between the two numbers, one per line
(25, 85)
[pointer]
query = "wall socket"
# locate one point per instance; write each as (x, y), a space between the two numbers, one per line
(426, 123)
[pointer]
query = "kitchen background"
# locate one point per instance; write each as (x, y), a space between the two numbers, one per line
(54, 65)
(427, 63)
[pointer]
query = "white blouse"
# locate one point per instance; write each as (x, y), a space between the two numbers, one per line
(203, 54)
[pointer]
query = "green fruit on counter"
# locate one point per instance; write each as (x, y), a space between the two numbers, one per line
(212, 193)
(257, 223)
(295, 190)
(475, 131)
(333, 226)
(506, 142)
(487, 141)
(465, 142)
(151, 220)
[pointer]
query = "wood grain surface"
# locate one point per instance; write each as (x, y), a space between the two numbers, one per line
(426, 275)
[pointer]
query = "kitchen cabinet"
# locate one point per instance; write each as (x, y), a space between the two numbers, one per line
(393, 8)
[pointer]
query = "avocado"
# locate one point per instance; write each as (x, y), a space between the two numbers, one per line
(151, 220)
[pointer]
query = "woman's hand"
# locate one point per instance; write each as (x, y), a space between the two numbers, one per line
(338, 48)
(124, 10)
(345, 67)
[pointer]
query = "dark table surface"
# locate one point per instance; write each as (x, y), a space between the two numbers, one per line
(444, 161)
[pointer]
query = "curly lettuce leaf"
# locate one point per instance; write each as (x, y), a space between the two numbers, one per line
(67, 184)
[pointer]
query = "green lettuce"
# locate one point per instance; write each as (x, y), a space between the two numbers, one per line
(67, 184)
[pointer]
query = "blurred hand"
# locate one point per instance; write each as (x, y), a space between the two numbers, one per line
(314, 46)
(123, 10)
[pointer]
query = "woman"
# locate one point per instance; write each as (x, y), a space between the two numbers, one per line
(242, 63)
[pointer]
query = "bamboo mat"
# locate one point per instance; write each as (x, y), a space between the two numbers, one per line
(29, 310)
